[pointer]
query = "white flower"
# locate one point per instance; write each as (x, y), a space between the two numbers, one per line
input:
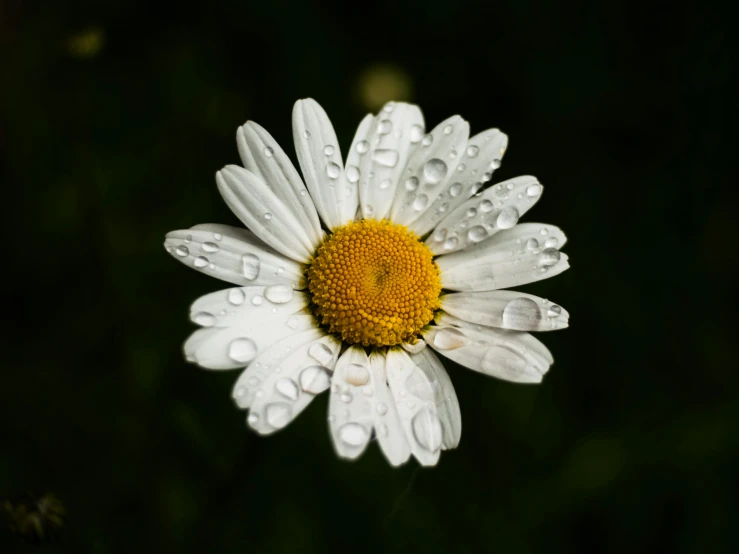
(335, 289)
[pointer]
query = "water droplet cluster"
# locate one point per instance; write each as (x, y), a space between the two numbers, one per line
(374, 283)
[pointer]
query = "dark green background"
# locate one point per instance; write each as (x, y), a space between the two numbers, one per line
(625, 113)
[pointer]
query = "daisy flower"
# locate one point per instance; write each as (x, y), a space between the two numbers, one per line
(353, 277)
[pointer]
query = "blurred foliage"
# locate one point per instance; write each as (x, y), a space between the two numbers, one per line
(114, 117)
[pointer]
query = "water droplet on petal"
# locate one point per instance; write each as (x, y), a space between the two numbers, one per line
(188, 238)
(384, 127)
(253, 419)
(477, 233)
(381, 408)
(269, 152)
(455, 189)
(236, 296)
(328, 150)
(416, 133)
(427, 429)
(507, 218)
(346, 397)
(362, 146)
(210, 247)
(314, 379)
(306, 134)
(549, 257)
(279, 414)
(201, 261)
(486, 205)
(495, 164)
(473, 151)
(440, 235)
(257, 300)
(534, 190)
(353, 434)
(410, 184)
(279, 294)
(434, 170)
(385, 183)
(554, 310)
(321, 353)
(204, 319)
(267, 216)
(472, 212)
(451, 243)
(532, 244)
(521, 314)
(386, 157)
(352, 173)
(551, 242)
(181, 251)
(333, 170)
(242, 350)
(449, 338)
(356, 375)
(420, 202)
(250, 266)
(287, 388)
(448, 129)
(427, 140)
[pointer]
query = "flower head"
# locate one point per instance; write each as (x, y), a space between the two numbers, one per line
(349, 274)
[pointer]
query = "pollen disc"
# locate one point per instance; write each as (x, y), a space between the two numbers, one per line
(374, 283)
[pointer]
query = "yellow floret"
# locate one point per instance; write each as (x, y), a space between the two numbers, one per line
(374, 283)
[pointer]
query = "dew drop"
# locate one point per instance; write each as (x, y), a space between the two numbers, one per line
(455, 190)
(362, 146)
(410, 184)
(201, 262)
(416, 133)
(236, 296)
(269, 152)
(385, 183)
(321, 353)
(486, 205)
(440, 235)
(257, 300)
(279, 294)
(250, 266)
(306, 134)
(532, 244)
(329, 150)
(353, 434)
(554, 310)
(287, 388)
(253, 419)
(534, 190)
(267, 216)
(188, 239)
(427, 429)
(211, 247)
(521, 314)
(471, 212)
(495, 164)
(449, 338)
(477, 233)
(292, 322)
(473, 151)
(420, 202)
(278, 414)
(242, 350)
(507, 218)
(352, 173)
(384, 127)
(385, 156)
(551, 242)
(346, 397)
(356, 374)
(434, 170)
(549, 257)
(204, 319)
(314, 379)
(448, 129)
(427, 140)
(381, 408)
(181, 251)
(451, 243)
(333, 170)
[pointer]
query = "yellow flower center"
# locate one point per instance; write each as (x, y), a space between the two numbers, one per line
(374, 283)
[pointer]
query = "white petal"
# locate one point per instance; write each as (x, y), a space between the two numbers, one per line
(350, 414)
(390, 146)
(234, 255)
(283, 380)
(429, 170)
(477, 163)
(320, 159)
(479, 218)
(352, 173)
(509, 355)
(241, 322)
(261, 155)
(445, 397)
(415, 394)
(506, 309)
(509, 259)
(265, 214)
(388, 427)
